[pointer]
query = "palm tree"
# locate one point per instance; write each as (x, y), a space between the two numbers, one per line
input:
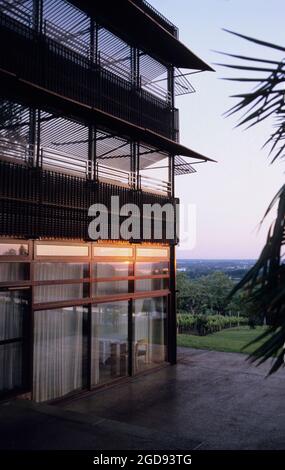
(264, 284)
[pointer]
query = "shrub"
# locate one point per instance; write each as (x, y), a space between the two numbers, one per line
(205, 324)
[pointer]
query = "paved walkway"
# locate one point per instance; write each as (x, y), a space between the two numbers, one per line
(214, 398)
(210, 400)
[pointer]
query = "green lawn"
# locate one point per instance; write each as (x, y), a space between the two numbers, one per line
(228, 340)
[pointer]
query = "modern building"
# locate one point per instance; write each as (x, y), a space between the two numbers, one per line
(87, 113)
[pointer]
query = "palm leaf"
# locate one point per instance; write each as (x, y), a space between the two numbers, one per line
(264, 284)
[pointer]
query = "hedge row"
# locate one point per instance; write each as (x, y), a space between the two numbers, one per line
(206, 324)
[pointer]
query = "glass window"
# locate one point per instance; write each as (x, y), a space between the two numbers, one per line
(61, 250)
(10, 272)
(149, 269)
(60, 352)
(109, 341)
(60, 271)
(13, 308)
(56, 293)
(110, 288)
(152, 252)
(112, 251)
(149, 332)
(11, 357)
(14, 249)
(124, 268)
(13, 313)
(151, 284)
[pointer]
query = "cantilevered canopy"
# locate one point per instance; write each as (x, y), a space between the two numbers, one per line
(131, 22)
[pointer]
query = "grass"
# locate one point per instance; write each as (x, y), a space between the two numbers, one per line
(228, 340)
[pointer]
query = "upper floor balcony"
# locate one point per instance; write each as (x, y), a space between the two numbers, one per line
(67, 65)
(74, 165)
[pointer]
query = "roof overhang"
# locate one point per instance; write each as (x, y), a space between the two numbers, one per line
(130, 22)
(14, 86)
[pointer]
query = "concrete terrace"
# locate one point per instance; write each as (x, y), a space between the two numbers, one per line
(210, 400)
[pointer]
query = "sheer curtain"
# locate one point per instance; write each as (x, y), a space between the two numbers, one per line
(60, 272)
(11, 327)
(58, 352)
(13, 271)
(149, 325)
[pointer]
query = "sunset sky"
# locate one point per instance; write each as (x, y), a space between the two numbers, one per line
(231, 196)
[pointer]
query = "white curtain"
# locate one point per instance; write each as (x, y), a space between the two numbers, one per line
(109, 340)
(11, 318)
(58, 352)
(10, 366)
(58, 271)
(150, 325)
(12, 271)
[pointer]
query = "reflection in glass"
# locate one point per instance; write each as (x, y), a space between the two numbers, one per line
(109, 288)
(124, 268)
(149, 269)
(61, 250)
(60, 352)
(151, 284)
(13, 313)
(14, 249)
(13, 308)
(56, 293)
(112, 251)
(11, 357)
(109, 341)
(60, 271)
(14, 272)
(149, 332)
(152, 252)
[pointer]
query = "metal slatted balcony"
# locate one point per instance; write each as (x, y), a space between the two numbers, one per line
(66, 163)
(43, 61)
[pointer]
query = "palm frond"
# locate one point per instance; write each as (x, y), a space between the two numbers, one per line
(267, 98)
(264, 284)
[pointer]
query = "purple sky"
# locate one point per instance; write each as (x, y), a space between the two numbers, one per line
(231, 196)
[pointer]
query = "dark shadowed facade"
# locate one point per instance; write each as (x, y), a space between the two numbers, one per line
(86, 113)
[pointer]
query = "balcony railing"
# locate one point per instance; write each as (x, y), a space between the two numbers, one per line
(50, 159)
(41, 203)
(160, 17)
(45, 62)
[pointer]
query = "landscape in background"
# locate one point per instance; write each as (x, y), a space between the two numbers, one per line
(208, 318)
(234, 268)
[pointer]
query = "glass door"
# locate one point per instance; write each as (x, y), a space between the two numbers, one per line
(14, 313)
(149, 333)
(109, 341)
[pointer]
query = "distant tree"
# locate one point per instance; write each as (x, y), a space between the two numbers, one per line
(208, 295)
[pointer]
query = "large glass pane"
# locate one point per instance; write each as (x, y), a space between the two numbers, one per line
(124, 268)
(13, 308)
(110, 288)
(149, 332)
(60, 352)
(14, 249)
(60, 271)
(14, 272)
(56, 293)
(109, 341)
(152, 252)
(13, 315)
(61, 250)
(149, 268)
(11, 367)
(151, 284)
(112, 251)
